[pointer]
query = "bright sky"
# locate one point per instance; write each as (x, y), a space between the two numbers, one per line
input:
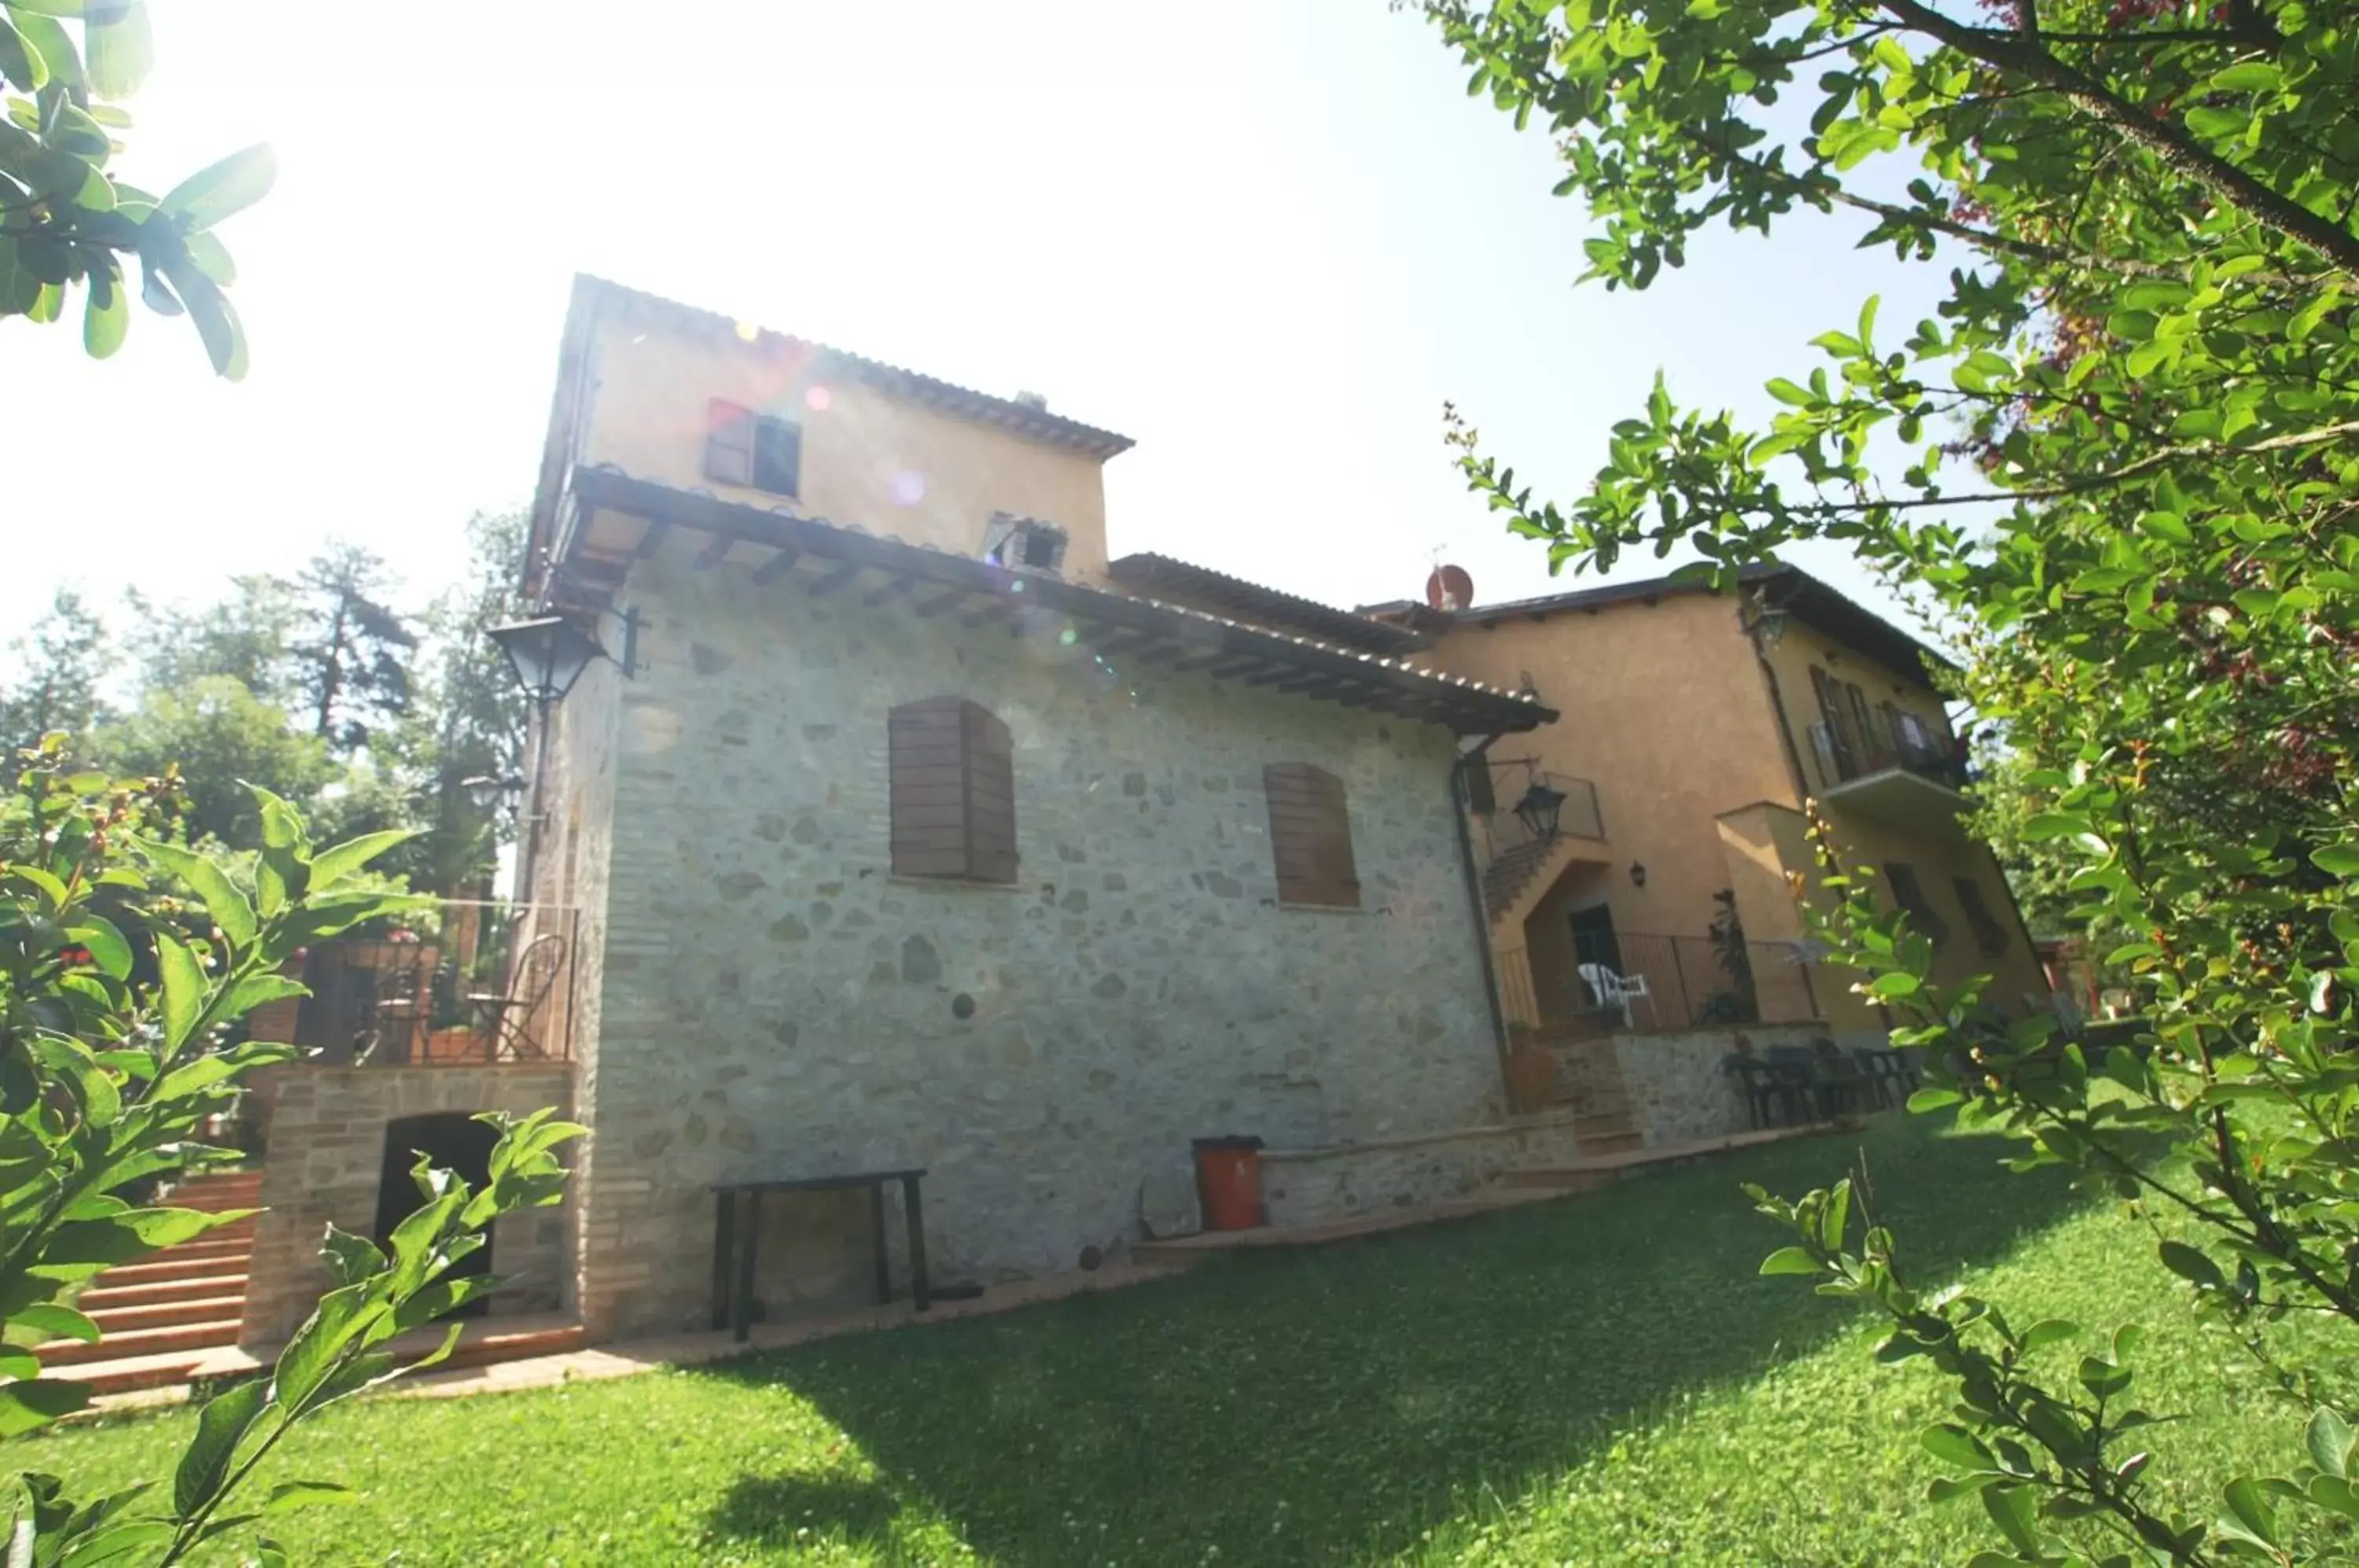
(1266, 238)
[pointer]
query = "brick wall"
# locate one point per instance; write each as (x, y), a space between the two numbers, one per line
(773, 1002)
(325, 1132)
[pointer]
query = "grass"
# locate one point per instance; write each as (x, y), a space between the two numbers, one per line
(1598, 1380)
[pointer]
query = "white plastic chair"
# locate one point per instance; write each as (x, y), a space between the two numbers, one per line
(1614, 990)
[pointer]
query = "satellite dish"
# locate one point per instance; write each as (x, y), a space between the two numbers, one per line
(1450, 588)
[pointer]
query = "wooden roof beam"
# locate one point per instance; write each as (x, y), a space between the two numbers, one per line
(778, 566)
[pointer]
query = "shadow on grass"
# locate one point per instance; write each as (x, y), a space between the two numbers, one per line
(1335, 1402)
(784, 1511)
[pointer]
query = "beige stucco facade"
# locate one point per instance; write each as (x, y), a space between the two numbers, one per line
(1695, 732)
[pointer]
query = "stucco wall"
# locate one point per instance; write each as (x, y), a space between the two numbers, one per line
(324, 1163)
(868, 460)
(776, 1003)
(1664, 710)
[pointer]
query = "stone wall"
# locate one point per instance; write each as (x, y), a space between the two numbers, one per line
(325, 1151)
(1677, 1092)
(774, 1002)
(1311, 1185)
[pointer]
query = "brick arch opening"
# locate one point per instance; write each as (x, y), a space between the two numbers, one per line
(455, 1141)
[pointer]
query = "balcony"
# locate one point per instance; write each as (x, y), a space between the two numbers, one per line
(1515, 837)
(1905, 779)
(451, 983)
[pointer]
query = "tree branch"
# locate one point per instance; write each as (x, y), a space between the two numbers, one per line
(2170, 145)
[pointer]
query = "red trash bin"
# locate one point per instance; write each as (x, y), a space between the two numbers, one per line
(1228, 1179)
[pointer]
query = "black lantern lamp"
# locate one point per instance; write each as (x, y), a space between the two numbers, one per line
(549, 652)
(1539, 808)
(487, 792)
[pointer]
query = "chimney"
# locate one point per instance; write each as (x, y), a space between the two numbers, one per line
(1038, 401)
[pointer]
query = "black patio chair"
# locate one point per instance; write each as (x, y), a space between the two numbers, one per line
(1760, 1086)
(513, 1015)
(1891, 1076)
(1842, 1086)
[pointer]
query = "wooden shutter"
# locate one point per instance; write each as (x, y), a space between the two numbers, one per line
(1909, 894)
(990, 796)
(1311, 835)
(1989, 934)
(952, 767)
(1482, 793)
(778, 457)
(728, 442)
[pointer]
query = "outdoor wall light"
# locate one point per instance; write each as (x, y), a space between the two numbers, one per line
(1539, 808)
(487, 792)
(548, 654)
(1637, 874)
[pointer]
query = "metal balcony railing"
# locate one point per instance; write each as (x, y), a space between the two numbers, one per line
(1841, 757)
(1499, 828)
(453, 983)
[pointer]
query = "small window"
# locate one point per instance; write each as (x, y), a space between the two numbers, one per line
(1311, 836)
(952, 766)
(1990, 935)
(1909, 894)
(742, 447)
(1027, 542)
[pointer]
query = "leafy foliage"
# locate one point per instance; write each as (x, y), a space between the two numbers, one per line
(114, 996)
(61, 660)
(2145, 359)
(66, 222)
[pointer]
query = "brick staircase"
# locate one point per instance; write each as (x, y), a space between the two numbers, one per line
(1512, 870)
(163, 1316)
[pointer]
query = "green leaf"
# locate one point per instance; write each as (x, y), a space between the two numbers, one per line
(2168, 526)
(2044, 825)
(25, 1407)
(56, 1320)
(289, 1496)
(1955, 1445)
(221, 190)
(106, 314)
(220, 1427)
(1892, 986)
(122, 48)
(216, 319)
(2015, 1512)
(2250, 1513)
(183, 987)
(2340, 859)
(1933, 1099)
(2247, 76)
(1789, 1260)
(2189, 1264)
(333, 866)
(2328, 1438)
(2048, 1331)
(20, 62)
(227, 906)
(108, 948)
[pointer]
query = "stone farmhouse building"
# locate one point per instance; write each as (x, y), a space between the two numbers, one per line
(906, 825)
(916, 837)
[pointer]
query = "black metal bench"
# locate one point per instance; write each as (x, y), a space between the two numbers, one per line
(738, 1226)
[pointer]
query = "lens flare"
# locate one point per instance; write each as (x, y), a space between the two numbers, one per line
(908, 487)
(818, 399)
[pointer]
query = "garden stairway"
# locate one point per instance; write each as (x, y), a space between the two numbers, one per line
(163, 1316)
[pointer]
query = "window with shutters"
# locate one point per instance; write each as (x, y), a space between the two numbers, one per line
(1909, 894)
(954, 791)
(1990, 935)
(756, 451)
(1311, 836)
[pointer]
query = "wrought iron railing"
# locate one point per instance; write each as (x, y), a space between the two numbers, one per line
(453, 983)
(1500, 827)
(1842, 756)
(1636, 980)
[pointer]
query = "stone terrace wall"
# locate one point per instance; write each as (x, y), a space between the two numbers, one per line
(775, 1002)
(1677, 1092)
(324, 1152)
(1309, 1186)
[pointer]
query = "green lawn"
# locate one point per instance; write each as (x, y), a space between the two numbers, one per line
(1601, 1379)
